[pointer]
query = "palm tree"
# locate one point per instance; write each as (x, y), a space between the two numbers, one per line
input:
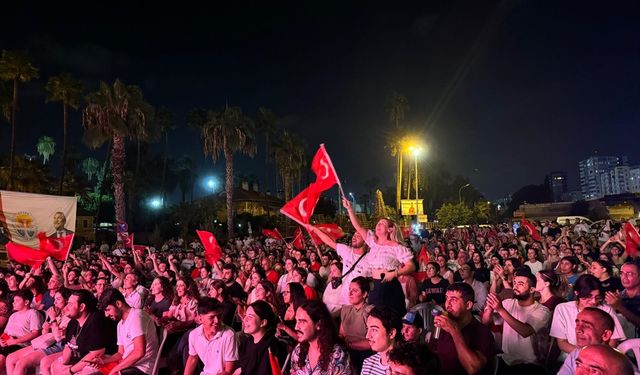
(397, 106)
(267, 123)
(16, 67)
(289, 154)
(46, 147)
(90, 167)
(164, 121)
(117, 113)
(66, 89)
(226, 131)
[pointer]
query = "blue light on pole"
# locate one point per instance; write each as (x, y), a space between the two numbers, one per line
(155, 203)
(210, 184)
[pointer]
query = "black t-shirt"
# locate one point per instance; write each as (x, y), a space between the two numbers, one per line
(435, 292)
(612, 284)
(97, 332)
(235, 290)
(157, 308)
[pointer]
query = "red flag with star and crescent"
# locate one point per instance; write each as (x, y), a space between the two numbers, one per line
(332, 230)
(56, 247)
(273, 233)
(300, 208)
(533, 231)
(298, 239)
(631, 239)
(212, 251)
(322, 166)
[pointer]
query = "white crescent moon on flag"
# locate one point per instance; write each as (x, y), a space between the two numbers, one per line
(211, 240)
(301, 209)
(324, 164)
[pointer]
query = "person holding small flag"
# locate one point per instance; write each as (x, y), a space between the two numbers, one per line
(387, 259)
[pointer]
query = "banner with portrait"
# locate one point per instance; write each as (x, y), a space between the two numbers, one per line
(23, 216)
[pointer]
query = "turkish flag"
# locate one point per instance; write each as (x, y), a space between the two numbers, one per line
(298, 239)
(423, 256)
(631, 239)
(126, 238)
(275, 366)
(212, 251)
(300, 208)
(332, 230)
(326, 175)
(273, 233)
(533, 231)
(25, 255)
(58, 248)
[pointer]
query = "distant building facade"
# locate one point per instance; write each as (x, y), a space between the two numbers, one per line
(594, 170)
(557, 183)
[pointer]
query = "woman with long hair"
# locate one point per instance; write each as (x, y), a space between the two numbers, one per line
(603, 271)
(183, 310)
(259, 324)
(160, 298)
(265, 291)
(588, 293)
(218, 290)
(328, 357)
(292, 296)
(434, 286)
(387, 260)
(479, 267)
(257, 275)
(204, 279)
(445, 272)
(549, 286)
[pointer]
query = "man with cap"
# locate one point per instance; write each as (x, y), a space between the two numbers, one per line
(213, 342)
(412, 327)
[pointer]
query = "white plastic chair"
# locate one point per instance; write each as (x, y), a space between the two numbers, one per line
(633, 345)
(424, 309)
(156, 363)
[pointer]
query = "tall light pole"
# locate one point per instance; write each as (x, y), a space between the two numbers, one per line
(416, 151)
(460, 192)
(353, 200)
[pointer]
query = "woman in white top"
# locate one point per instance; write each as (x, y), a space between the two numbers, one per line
(387, 260)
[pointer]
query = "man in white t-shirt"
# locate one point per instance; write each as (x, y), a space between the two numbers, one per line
(137, 337)
(212, 341)
(523, 318)
(349, 255)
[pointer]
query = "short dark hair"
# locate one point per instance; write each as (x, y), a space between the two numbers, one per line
(208, 304)
(526, 272)
(465, 290)
(416, 356)
(363, 283)
(605, 319)
(25, 294)
(230, 266)
(302, 272)
(110, 297)
(389, 318)
(87, 298)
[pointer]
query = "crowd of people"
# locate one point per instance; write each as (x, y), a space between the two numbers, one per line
(474, 300)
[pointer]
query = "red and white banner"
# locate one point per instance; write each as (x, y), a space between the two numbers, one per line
(273, 233)
(25, 219)
(322, 166)
(300, 209)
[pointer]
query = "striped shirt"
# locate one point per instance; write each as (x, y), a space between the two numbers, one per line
(373, 366)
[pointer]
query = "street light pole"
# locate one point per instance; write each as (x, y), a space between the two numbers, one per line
(460, 192)
(415, 157)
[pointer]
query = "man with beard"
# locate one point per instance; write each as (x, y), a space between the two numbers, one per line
(137, 337)
(234, 289)
(352, 264)
(464, 346)
(523, 317)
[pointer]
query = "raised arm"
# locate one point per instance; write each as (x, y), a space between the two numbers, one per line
(323, 236)
(354, 219)
(52, 267)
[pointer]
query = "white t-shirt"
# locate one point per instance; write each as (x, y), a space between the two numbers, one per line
(518, 349)
(137, 297)
(535, 266)
(563, 325)
(222, 348)
(331, 297)
(21, 323)
(348, 259)
(387, 257)
(139, 323)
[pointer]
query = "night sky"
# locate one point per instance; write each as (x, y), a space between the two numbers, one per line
(506, 91)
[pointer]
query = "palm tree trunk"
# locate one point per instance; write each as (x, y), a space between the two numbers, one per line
(65, 119)
(164, 169)
(399, 181)
(12, 151)
(104, 176)
(228, 157)
(117, 169)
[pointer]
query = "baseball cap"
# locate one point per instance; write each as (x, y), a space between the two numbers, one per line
(413, 318)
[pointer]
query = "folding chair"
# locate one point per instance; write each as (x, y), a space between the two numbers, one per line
(156, 364)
